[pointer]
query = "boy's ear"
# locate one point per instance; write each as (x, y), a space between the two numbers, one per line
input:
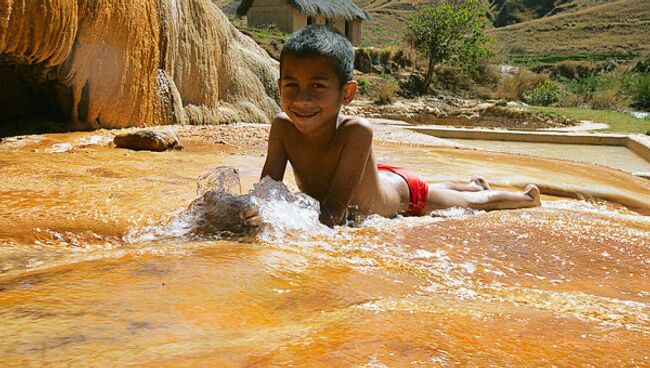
(279, 89)
(349, 91)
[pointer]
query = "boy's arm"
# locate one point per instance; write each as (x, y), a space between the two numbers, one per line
(276, 156)
(357, 138)
(274, 166)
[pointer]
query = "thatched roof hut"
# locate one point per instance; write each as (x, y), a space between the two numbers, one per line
(291, 15)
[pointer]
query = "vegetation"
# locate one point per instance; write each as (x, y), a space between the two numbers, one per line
(619, 122)
(546, 93)
(532, 60)
(600, 30)
(449, 33)
(642, 92)
(514, 87)
(270, 38)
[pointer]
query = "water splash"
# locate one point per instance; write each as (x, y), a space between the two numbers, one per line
(216, 213)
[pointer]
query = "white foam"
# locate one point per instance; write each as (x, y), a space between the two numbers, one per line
(59, 148)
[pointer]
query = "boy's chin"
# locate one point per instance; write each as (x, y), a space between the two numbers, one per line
(307, 123)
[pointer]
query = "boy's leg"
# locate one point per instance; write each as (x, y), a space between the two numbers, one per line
(474, 185)
(482, 200)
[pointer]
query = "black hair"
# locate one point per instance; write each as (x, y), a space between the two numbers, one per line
(319, 40)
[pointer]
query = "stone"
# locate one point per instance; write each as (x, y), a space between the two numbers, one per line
(147, 140)
(122, 63)
(362, 61)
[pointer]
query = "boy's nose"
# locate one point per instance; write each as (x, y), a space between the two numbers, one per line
(304, 96)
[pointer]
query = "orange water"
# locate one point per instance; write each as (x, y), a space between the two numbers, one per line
(565, 284)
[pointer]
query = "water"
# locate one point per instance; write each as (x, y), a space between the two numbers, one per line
(106, 261)
(612, 156)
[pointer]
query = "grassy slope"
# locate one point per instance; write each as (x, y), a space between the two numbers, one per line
(578, 27)
(619, 27)
(618, 122)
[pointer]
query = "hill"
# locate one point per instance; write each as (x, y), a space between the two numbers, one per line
(616, 28)
(548, 28)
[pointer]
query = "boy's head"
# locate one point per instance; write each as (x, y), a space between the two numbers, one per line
(322, 41)
(316, 66)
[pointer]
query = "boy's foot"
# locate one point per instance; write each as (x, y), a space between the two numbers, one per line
(533, 192)
(479, 183)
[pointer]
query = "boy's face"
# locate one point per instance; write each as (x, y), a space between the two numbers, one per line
(311, 92)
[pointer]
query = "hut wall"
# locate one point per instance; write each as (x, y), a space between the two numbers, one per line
(319, 19)
(266, 12)
(354, 34)
(338, 23)
(299, 20)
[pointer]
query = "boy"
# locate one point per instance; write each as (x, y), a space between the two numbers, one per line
(331, 155)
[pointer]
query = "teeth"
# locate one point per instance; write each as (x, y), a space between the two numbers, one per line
(304, 115)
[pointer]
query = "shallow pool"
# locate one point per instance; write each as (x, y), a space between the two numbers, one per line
(93, 272)
(612, 156)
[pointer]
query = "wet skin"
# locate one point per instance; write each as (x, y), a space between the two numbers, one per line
(331, 155)
(332, 158)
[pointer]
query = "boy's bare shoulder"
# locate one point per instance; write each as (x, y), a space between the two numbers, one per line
(281, 120)
(355, 125)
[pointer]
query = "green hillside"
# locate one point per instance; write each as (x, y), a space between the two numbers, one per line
(551, 29)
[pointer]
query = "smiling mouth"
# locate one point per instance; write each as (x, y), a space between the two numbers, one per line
(304, 114)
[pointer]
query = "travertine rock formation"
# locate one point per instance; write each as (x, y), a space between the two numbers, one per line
(118, 63)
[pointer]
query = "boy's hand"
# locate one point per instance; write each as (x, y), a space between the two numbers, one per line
(331, 216)
(251, 217)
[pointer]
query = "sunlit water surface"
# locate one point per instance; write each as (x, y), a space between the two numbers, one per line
(612, 156)
(106, 260)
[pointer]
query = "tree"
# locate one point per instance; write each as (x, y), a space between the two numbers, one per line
(450, 31)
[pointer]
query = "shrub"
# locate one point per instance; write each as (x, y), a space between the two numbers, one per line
(404, 57)
(572, 70)
(513, 88)
(451, 79)
(487, 74)
(544, 94)
(642, 92)
(609, 99)
(385, 56)
(572, 100)
(643, 65)
(383, 91)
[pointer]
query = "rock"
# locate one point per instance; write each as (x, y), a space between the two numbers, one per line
(147, 140)
(121, 63)
(362, 61)
(377, 69)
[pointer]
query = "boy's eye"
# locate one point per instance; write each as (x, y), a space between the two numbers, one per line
(318, 85)
(291, 85)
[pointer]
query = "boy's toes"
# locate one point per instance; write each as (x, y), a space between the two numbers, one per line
(482, 183)
(533, 192)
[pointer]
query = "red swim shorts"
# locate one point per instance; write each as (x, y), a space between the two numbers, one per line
(418, 190)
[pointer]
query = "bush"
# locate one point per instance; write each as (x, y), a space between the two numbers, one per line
(487, 74)
(642, 92)
(572, 70)
(383, 91)
(404, 57)
(609, 99)
(451, 79)
(546, 93)
(572, 100)
(513, 88)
